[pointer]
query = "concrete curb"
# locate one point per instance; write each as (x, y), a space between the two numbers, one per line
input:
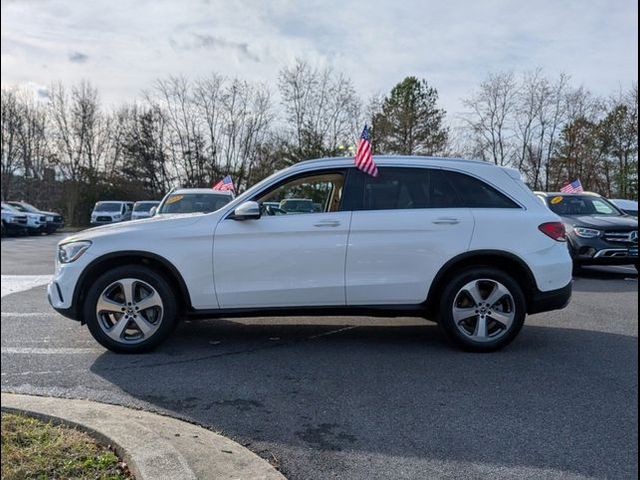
(154, 446)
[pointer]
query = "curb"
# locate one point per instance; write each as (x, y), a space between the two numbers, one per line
(154, 446)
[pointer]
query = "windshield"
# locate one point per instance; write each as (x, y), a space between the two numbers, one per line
(25, 207)
(108, 207)
(194, 203)
(568, 205)
(144, 206)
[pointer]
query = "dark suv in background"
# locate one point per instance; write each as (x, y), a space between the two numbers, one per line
(598, 232)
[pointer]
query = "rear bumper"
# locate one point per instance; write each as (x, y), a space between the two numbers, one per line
(551, 300)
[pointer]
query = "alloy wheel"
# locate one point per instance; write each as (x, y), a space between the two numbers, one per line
(483, 310)
(129, 310)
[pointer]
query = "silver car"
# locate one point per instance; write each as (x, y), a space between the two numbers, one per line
(143, 209)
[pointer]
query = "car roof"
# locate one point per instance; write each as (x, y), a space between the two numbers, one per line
(199, 191)
(388, 160)
(148, 201)
(624, 203)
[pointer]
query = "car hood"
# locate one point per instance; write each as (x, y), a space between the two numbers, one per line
(50, 213)
(137, 226)
(601, 221)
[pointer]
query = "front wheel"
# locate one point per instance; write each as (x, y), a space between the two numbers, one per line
(482, 309)
(130, 309)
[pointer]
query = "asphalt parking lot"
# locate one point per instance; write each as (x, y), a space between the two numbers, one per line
(357, 397)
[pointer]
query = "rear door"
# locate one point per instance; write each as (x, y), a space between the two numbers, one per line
(405, 226)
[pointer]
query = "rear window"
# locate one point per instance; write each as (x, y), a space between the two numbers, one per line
(474, 193)
(194, 203)
(410, 188)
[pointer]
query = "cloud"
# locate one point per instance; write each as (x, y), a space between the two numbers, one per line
(454, 44)
(194, 41)
(78, 57)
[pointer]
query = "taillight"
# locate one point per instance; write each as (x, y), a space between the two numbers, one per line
(554, 230)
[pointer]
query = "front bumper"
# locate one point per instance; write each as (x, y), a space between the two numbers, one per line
(597, 251)
(551, 300)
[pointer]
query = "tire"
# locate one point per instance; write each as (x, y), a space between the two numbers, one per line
(503, 319)
(109, 289)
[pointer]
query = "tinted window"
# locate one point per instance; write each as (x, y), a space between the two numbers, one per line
(475, 193)
(407, 188)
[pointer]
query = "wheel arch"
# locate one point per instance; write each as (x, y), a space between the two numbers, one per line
(508, 262)
(131, 257)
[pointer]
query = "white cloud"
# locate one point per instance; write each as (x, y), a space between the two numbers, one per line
(122, 48)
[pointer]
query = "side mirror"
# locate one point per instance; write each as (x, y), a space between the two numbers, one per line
(153, 211)
(247, 211)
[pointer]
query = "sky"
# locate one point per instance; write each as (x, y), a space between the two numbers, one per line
(122, 46)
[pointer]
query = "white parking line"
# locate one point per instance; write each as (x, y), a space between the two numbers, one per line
(19, 283)
(47, 351)
(29, 314)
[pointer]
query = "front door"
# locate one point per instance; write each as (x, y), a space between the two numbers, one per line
(294, 255)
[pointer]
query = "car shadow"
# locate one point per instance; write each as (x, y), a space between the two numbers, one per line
(330, 400)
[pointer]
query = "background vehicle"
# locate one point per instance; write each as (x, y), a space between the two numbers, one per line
(598, 232)
(111, 212)
(14, 222)
(142, 209)
(630, 207)
(193, 200)
(54, 221)
(461, 242)
(36, 221)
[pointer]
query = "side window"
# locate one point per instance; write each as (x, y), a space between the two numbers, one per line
(309, 194)
(407, 188)
(475, 193)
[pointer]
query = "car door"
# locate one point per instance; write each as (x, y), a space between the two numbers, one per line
(405, 227)
(285, 259)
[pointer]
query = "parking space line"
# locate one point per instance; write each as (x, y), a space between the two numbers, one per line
(47, 351)
(29, 314)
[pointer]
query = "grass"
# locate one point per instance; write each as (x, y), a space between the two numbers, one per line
(33, 449)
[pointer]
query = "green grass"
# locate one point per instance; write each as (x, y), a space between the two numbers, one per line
(33, 449)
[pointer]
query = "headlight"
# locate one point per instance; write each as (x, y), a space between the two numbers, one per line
(587, 232)
(49, 218)
(70, 252)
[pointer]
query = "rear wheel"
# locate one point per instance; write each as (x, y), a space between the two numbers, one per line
(130, 309)
(482, 309)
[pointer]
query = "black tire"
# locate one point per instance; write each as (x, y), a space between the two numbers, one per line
(453, 287)
(154, 279)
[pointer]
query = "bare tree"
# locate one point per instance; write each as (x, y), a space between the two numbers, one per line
(490, 120)
(322, 110)
(12, 123)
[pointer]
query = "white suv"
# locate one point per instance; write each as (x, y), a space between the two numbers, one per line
(464, 243)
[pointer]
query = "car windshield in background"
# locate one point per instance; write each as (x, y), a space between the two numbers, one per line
(25, 207)
(564, 205)
(194, 203)
(144, 206)
(107, 207)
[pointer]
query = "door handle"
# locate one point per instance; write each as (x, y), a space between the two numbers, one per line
(327, 223)
(446, 221)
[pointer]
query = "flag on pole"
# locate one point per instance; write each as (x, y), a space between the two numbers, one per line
(364, 157)
(224, 185)
(573, 187)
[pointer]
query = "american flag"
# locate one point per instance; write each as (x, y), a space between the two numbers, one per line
(224, 185)
(364, 158)
(573, 187)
